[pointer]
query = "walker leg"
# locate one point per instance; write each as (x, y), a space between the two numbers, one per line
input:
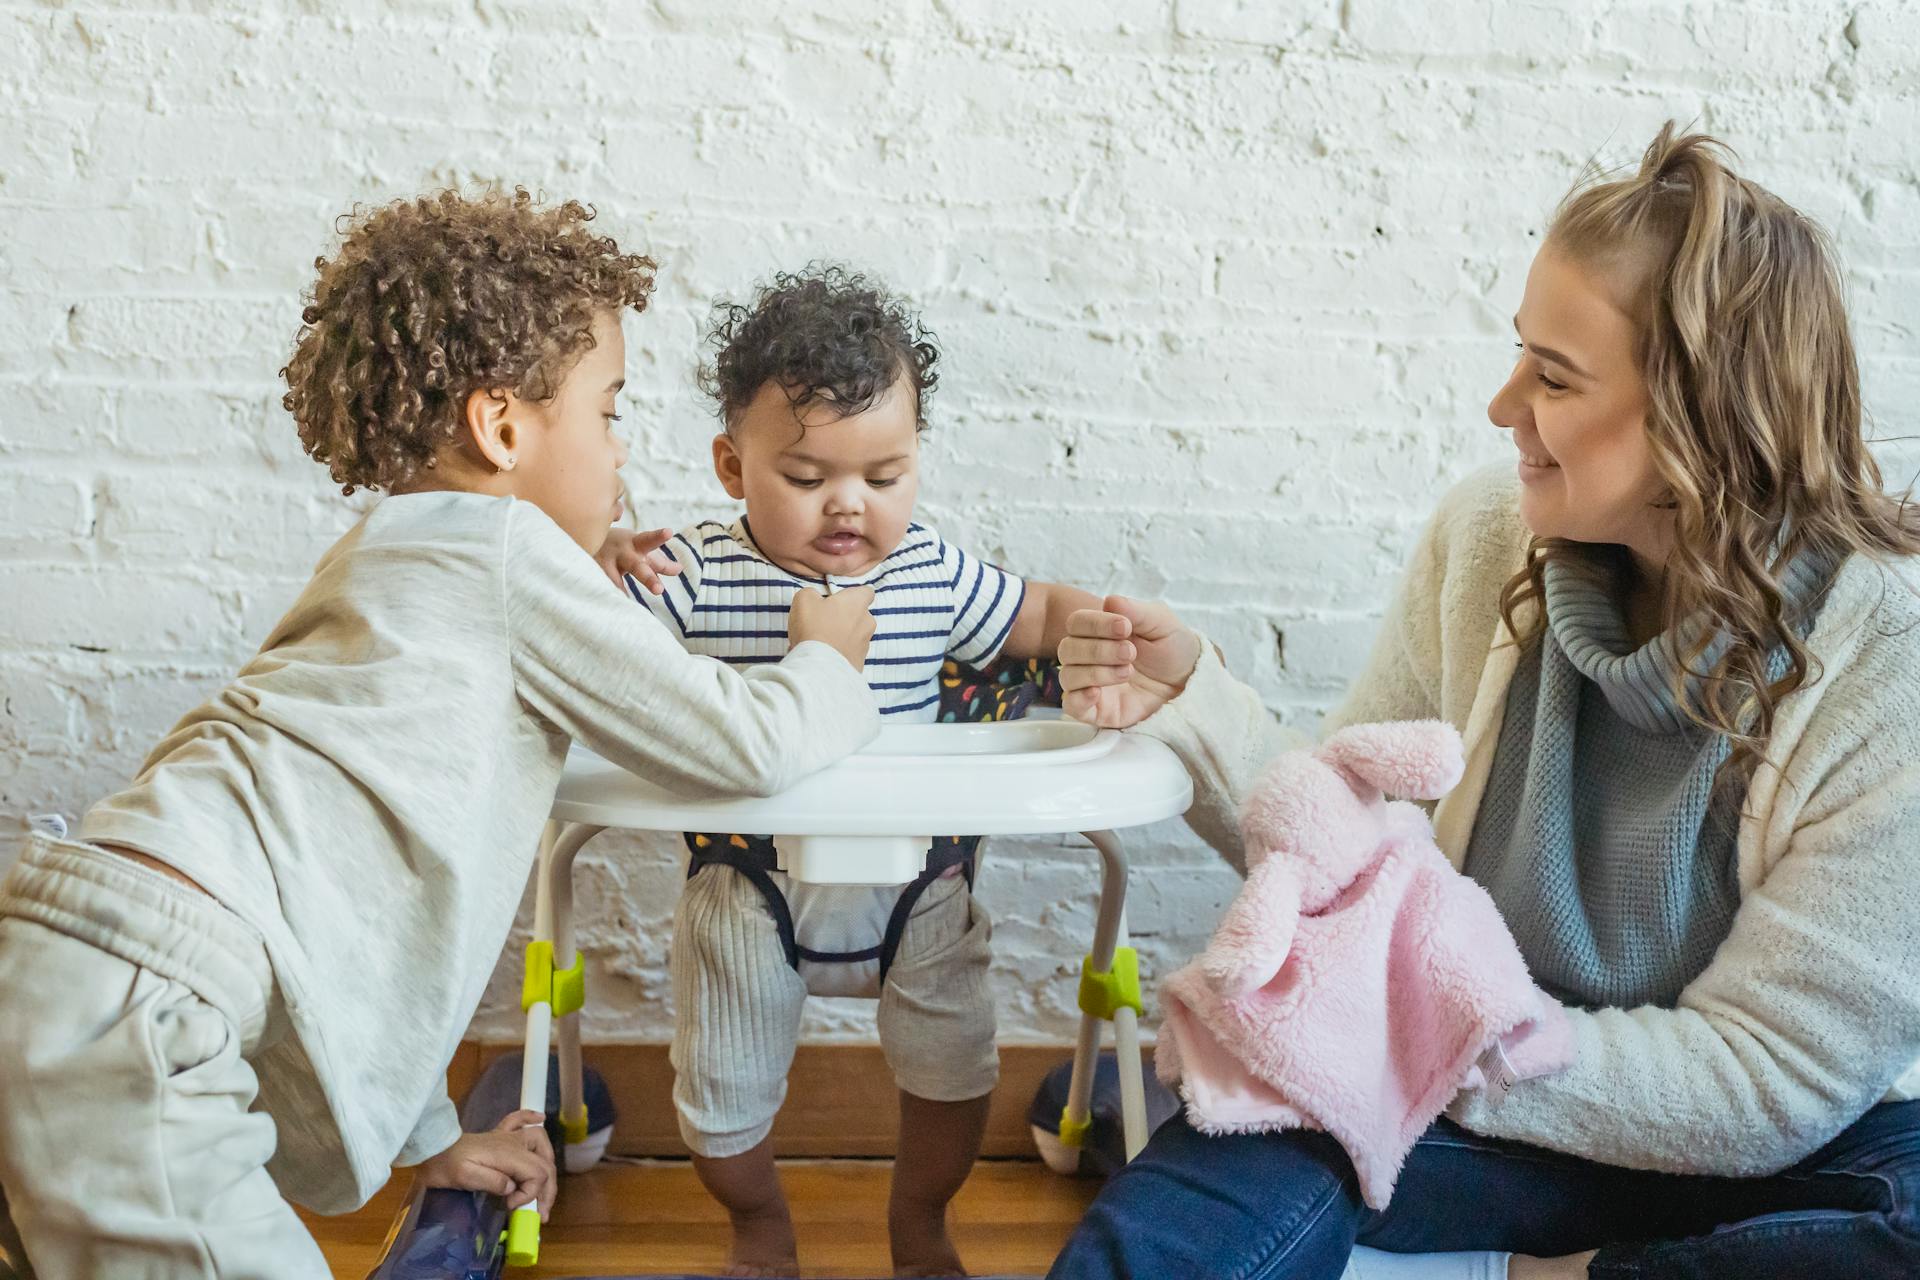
(552, 986)
(1077, 1117)
(523, 1228)
(533, 1062)
(1133, 1088)
(539, 1007)
(573, 1104)
(1109, 991)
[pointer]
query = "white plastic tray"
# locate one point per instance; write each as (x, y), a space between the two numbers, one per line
(1030, 777)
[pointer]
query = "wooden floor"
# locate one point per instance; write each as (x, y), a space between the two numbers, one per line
(653, 1218)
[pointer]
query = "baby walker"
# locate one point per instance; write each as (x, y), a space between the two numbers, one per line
(858, 822)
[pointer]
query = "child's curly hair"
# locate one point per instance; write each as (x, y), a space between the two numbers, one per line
(431, 299)
(828, 336)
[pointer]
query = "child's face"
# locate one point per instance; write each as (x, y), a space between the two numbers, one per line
(824, 494)
(568, 460)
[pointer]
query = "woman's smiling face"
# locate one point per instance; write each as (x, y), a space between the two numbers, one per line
(1577, 406)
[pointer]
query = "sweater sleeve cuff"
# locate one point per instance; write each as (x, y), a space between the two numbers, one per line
(438, 1129)
(1541, 1111)
(1209, 691)
(831, 667)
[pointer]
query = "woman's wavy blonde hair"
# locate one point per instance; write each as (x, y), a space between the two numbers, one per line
(1754, 416)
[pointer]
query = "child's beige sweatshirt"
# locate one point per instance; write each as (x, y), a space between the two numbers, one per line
(369, 791)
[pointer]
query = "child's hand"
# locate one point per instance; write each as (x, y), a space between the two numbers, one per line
(639, 554)
(515, 1161)
(1121, 664)
(843, 620)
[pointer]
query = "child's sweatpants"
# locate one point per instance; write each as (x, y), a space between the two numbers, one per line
(737, 1006)
(130, 1006)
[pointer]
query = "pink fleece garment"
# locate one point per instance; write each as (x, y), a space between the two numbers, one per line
(1358, 978)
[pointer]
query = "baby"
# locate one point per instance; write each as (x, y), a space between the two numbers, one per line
(821, 387)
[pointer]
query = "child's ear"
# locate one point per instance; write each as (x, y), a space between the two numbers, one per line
(490, 422)
(726, 465)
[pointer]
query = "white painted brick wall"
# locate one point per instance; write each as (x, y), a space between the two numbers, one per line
(1222, 286)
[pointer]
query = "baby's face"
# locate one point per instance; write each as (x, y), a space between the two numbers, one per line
(824, 494)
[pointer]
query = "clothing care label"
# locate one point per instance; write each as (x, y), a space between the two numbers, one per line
(1500, 1075)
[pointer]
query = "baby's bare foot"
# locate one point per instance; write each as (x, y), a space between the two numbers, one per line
(920, 1243)
(763, 1245)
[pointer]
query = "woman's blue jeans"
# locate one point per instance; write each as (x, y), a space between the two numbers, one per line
(1287, 1204)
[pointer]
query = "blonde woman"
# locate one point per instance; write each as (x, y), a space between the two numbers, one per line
(1683, 645)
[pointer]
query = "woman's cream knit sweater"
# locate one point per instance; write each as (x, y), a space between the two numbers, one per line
(1810, 1011)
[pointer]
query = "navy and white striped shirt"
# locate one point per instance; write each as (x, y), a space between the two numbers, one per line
(931, 601)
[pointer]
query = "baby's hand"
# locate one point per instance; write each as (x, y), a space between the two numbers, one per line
(843, 620)
(515, 1161)
(1121, 664)
(639, 554)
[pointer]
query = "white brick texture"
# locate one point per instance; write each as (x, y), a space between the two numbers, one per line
(1222, 288)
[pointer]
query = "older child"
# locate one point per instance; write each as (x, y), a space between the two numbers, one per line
(247, 976)
(821, 387)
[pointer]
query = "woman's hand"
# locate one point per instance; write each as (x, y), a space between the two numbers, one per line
(639, 554)
(843, 620)
(1122, 663)
(515, 1161)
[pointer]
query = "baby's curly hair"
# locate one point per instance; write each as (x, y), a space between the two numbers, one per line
(827, 335)
(431, 299)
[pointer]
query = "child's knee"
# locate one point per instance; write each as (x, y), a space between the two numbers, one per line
(944, 1061)
(729, 1086)
(712, 1137)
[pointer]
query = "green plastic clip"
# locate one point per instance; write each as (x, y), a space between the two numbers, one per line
(523, 1237)
(564, 990)
(573, 1125)
(1073, 1133)
(1102, 994)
